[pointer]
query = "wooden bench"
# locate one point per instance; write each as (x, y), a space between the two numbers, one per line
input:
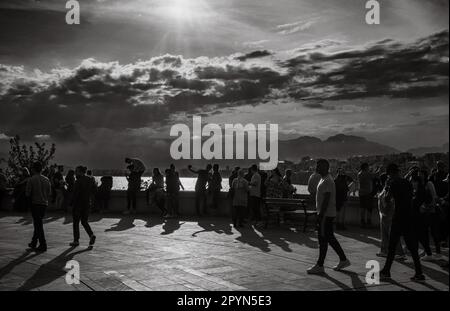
(293, 207)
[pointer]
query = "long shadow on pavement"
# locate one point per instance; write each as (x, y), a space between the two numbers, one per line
(51, 271)
(27, 255)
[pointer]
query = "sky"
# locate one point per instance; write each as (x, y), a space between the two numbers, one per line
(117, 82)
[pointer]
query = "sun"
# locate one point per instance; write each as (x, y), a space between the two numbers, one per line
(192, 11)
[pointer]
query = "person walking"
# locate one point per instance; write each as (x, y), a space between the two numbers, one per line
(83, 190)
(38, 189)
(402, 223)
(326, 213)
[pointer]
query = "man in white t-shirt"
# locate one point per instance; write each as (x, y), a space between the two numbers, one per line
(326, 213)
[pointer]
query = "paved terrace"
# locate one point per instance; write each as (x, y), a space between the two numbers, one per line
(143, 252)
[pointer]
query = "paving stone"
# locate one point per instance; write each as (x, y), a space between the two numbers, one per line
(135, 253)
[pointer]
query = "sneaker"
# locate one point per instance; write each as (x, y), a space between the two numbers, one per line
(316, 270)
(342, 265)
(428, 258)
(92, 240)
(382, 254)
(384, 275)
(74, 244)
(418, 278)
(32, 245)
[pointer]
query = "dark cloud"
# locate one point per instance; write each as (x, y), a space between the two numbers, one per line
(148, 93)
(255, 54)
(386, 68)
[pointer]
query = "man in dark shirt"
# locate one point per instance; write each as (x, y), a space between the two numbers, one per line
(173, 185)
(215, 186)
(83, 189)
(402, 223)
(203, 179)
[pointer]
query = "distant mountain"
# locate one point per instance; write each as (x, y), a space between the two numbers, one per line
(420, 151)
(339, 147)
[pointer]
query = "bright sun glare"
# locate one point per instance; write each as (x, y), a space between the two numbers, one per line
(185, 10)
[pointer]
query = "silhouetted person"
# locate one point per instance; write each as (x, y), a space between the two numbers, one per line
(173, 185)
(203, 180)
(92, 199)
(240, 196)
(440, 182)
(103, 194)
(233, 176)
(83, 190)
(424, 203)
(342, 182)
(155, 191)
(365, 180)
(386, 208)
(70, 183)
(215, 186)
(255, 194)
(39, 190)
(59, 187)
(402, 222)
(21, 201)
(326, 213)
(134, 186)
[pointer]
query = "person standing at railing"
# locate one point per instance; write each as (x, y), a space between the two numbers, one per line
(204, 178)
(240, 197)
(255, 194)
(136, 168)
(215, 186)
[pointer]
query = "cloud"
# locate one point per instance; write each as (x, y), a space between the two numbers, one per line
(255, 54)
(291, 28)
(65, 102)
(385, 68)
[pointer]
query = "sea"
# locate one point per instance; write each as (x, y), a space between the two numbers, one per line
(120, 183)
